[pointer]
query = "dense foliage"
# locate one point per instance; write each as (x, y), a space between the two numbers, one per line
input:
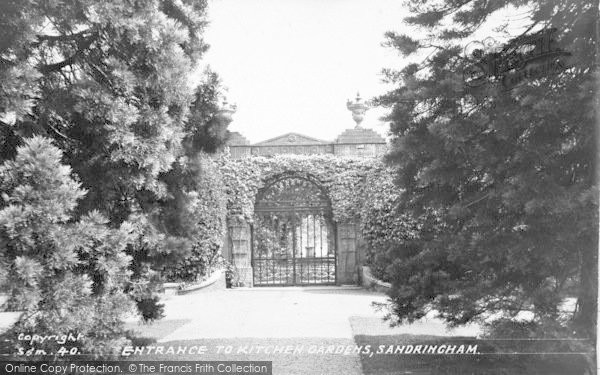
(342, 178)
(361, 191)
(109, 83)
(202, 212)
(65, 276)
(508, 171)
(383, 223)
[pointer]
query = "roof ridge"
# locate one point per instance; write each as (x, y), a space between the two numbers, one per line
(290, 134)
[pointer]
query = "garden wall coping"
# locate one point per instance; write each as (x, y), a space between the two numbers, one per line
(370, 282)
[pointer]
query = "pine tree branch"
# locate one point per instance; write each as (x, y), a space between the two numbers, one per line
(58, 132)
(478, 200)
(61, 38)
(50, 68)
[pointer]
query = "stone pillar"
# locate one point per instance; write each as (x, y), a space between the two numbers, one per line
(347, 242)
(361, 254)
(241, 253)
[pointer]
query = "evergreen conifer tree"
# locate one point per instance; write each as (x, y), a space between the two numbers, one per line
(507, 173)
(65, 276)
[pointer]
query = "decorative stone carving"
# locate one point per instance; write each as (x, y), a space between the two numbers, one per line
(358, 109)
(357, 141)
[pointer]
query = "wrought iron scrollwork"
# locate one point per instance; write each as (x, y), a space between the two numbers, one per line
(293, 234)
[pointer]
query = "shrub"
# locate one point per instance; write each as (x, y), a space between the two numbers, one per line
(66, 277)
(202, 212)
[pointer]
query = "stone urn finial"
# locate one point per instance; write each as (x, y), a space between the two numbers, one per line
(225, 113)
(358, 109)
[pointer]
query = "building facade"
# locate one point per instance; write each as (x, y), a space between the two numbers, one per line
(351, 142)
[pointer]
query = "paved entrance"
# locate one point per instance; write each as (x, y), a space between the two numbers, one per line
(270, 312)
(271, 319)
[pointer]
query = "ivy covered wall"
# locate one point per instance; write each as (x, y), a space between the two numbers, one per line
(343, 178)
(201, 212)
(361, 191)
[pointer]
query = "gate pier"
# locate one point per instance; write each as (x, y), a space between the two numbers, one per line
(239, 239)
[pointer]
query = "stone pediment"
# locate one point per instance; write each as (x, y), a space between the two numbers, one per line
(291, 139)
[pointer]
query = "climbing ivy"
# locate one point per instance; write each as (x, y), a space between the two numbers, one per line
(200, 211)
(361, 191)
(342, 178)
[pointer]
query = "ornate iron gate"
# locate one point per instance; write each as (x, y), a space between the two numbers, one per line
(293, 241)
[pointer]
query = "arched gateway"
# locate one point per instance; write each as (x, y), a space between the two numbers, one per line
(293, 234)
(292, 238)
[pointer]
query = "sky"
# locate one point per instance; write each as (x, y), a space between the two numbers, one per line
(290, 65)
